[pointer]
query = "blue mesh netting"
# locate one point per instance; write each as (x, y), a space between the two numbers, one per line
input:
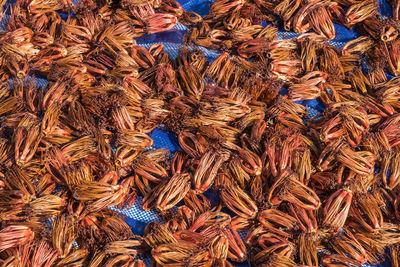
(138, 218)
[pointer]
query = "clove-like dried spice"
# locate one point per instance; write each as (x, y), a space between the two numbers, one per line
(320, 190)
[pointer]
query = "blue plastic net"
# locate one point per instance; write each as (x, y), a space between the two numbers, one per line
(136, 217)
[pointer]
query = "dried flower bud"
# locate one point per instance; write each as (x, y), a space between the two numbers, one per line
(288, 188)
(173, 253)
(274, 220)
(64, 234)
(238, 201)
(125, 247)
(336, 209)
(15, 235)
(172, 191)
(75, 258)
(207, 169)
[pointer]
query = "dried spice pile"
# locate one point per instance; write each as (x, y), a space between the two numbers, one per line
(309, 191)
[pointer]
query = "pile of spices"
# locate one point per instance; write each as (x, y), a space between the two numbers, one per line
(309, 191)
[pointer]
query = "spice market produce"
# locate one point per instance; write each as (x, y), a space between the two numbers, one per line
(320, 190)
